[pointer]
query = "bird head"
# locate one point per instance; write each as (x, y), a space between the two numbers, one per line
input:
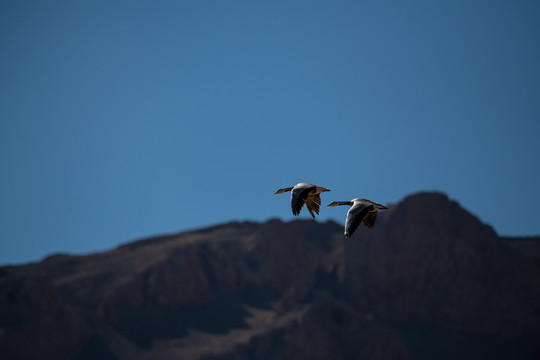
(281, 191)
(338, 203)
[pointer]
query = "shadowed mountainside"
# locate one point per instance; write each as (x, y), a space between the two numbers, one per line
(429, 281)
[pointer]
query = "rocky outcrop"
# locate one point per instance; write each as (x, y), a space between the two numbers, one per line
(430, 263)
(326, 328)
(428, 281)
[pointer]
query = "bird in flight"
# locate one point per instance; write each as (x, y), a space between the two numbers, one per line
(361, 210)
(304, 193)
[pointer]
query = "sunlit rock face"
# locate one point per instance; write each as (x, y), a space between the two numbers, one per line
(429, 281)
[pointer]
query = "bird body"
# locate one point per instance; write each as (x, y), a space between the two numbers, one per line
(304, 193)
(362, 210)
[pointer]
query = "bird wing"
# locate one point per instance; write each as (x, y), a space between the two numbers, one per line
(355, 215)
(369, 219)
(298, 197)
(313, 203)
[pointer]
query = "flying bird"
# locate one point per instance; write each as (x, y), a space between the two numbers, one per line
(361, 210)
(304, 193)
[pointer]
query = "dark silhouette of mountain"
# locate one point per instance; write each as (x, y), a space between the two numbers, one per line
(430, 281)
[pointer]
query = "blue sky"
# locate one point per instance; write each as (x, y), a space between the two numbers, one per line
(121, 120)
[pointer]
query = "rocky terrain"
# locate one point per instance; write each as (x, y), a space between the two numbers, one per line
(430, 281)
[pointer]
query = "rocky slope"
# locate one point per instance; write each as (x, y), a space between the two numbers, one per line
(429, 281)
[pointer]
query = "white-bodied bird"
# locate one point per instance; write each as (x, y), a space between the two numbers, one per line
(361, 210)
(304, 193)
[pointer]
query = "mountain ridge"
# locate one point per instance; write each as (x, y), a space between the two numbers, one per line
(428, 280)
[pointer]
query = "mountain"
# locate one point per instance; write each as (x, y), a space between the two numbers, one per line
(429, 281)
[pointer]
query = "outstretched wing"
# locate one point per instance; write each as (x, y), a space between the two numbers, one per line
(298, 197)
(369, 219)
(313, 203)
(355, 215)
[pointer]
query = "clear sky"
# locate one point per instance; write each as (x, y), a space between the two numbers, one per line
(127, 119)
